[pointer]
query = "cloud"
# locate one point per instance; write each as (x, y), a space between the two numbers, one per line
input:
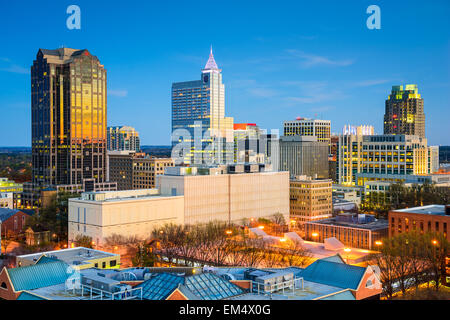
(262, 92)
(322, 109)
(118, 93)
(311, 60)
(313, 92)
(374, 82)
(7, 65)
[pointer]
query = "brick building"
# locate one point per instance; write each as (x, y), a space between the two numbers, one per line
(13, 220)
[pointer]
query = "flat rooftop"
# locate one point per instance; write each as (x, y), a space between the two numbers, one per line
(433, 209)
(79, 255)
(374, 225)
(311, 290)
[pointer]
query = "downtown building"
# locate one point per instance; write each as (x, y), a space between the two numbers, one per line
(248, 143)
(309, 200)
(200, 131)
(303, 155)
(404, 112)
(363, 157)
(309, 127)
(135, 170)
(184, 195)
(68, 118)
(123, 138)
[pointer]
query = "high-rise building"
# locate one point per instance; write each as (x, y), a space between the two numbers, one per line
(366, 158)
(404, 112)
(303, 155)
(200, 131)
(68, 118)
(309, 127)
(123, 138)
(247, 141)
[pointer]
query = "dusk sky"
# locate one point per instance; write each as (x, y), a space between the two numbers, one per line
(280, 59)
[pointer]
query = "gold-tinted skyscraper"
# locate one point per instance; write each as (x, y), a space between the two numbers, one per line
(404, 112)
(68, 102)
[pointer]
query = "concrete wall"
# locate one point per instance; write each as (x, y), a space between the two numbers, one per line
(230, 197)
(131, 217)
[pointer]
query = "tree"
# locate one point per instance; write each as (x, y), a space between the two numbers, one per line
(437, 249)
(54, 217)
(144, 256)
(5, 243)
(83, 241)
(297, 255)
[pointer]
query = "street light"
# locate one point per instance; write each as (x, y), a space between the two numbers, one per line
(434, 242)
(228, 232)
(261, 227)
(378, 243)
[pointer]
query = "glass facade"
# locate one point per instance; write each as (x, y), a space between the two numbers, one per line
(68, 89)
(404, 112)
(198, 117)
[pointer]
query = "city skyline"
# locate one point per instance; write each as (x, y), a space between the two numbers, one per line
(280, 65)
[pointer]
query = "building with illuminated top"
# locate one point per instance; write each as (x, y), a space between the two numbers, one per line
(404, 112)
(68, 121)
(200, 131)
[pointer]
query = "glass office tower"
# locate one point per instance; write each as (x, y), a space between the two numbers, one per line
(199, 108)
(68, 103)
(404, 112)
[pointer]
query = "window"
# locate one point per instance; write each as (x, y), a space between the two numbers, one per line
(103, 264)
(4, 286)
(112, 263)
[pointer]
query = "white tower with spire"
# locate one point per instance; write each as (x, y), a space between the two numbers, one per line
(203, 101)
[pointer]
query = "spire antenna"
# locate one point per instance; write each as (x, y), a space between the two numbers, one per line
(211, 64)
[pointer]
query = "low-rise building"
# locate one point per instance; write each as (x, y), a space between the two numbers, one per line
(231, 193)
(357, 231)
(128, 213)
(82, 258)
(431, 218)
(13, 220)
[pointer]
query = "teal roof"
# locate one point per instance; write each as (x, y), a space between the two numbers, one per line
(336, 258)
(334, 274)
(39, 275)
(160, 286)
(45, 259)
(208, 286)
(29, 296)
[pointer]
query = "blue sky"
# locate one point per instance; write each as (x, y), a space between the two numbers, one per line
(280, 59)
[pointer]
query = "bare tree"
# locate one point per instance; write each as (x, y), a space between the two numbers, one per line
(297, 255)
